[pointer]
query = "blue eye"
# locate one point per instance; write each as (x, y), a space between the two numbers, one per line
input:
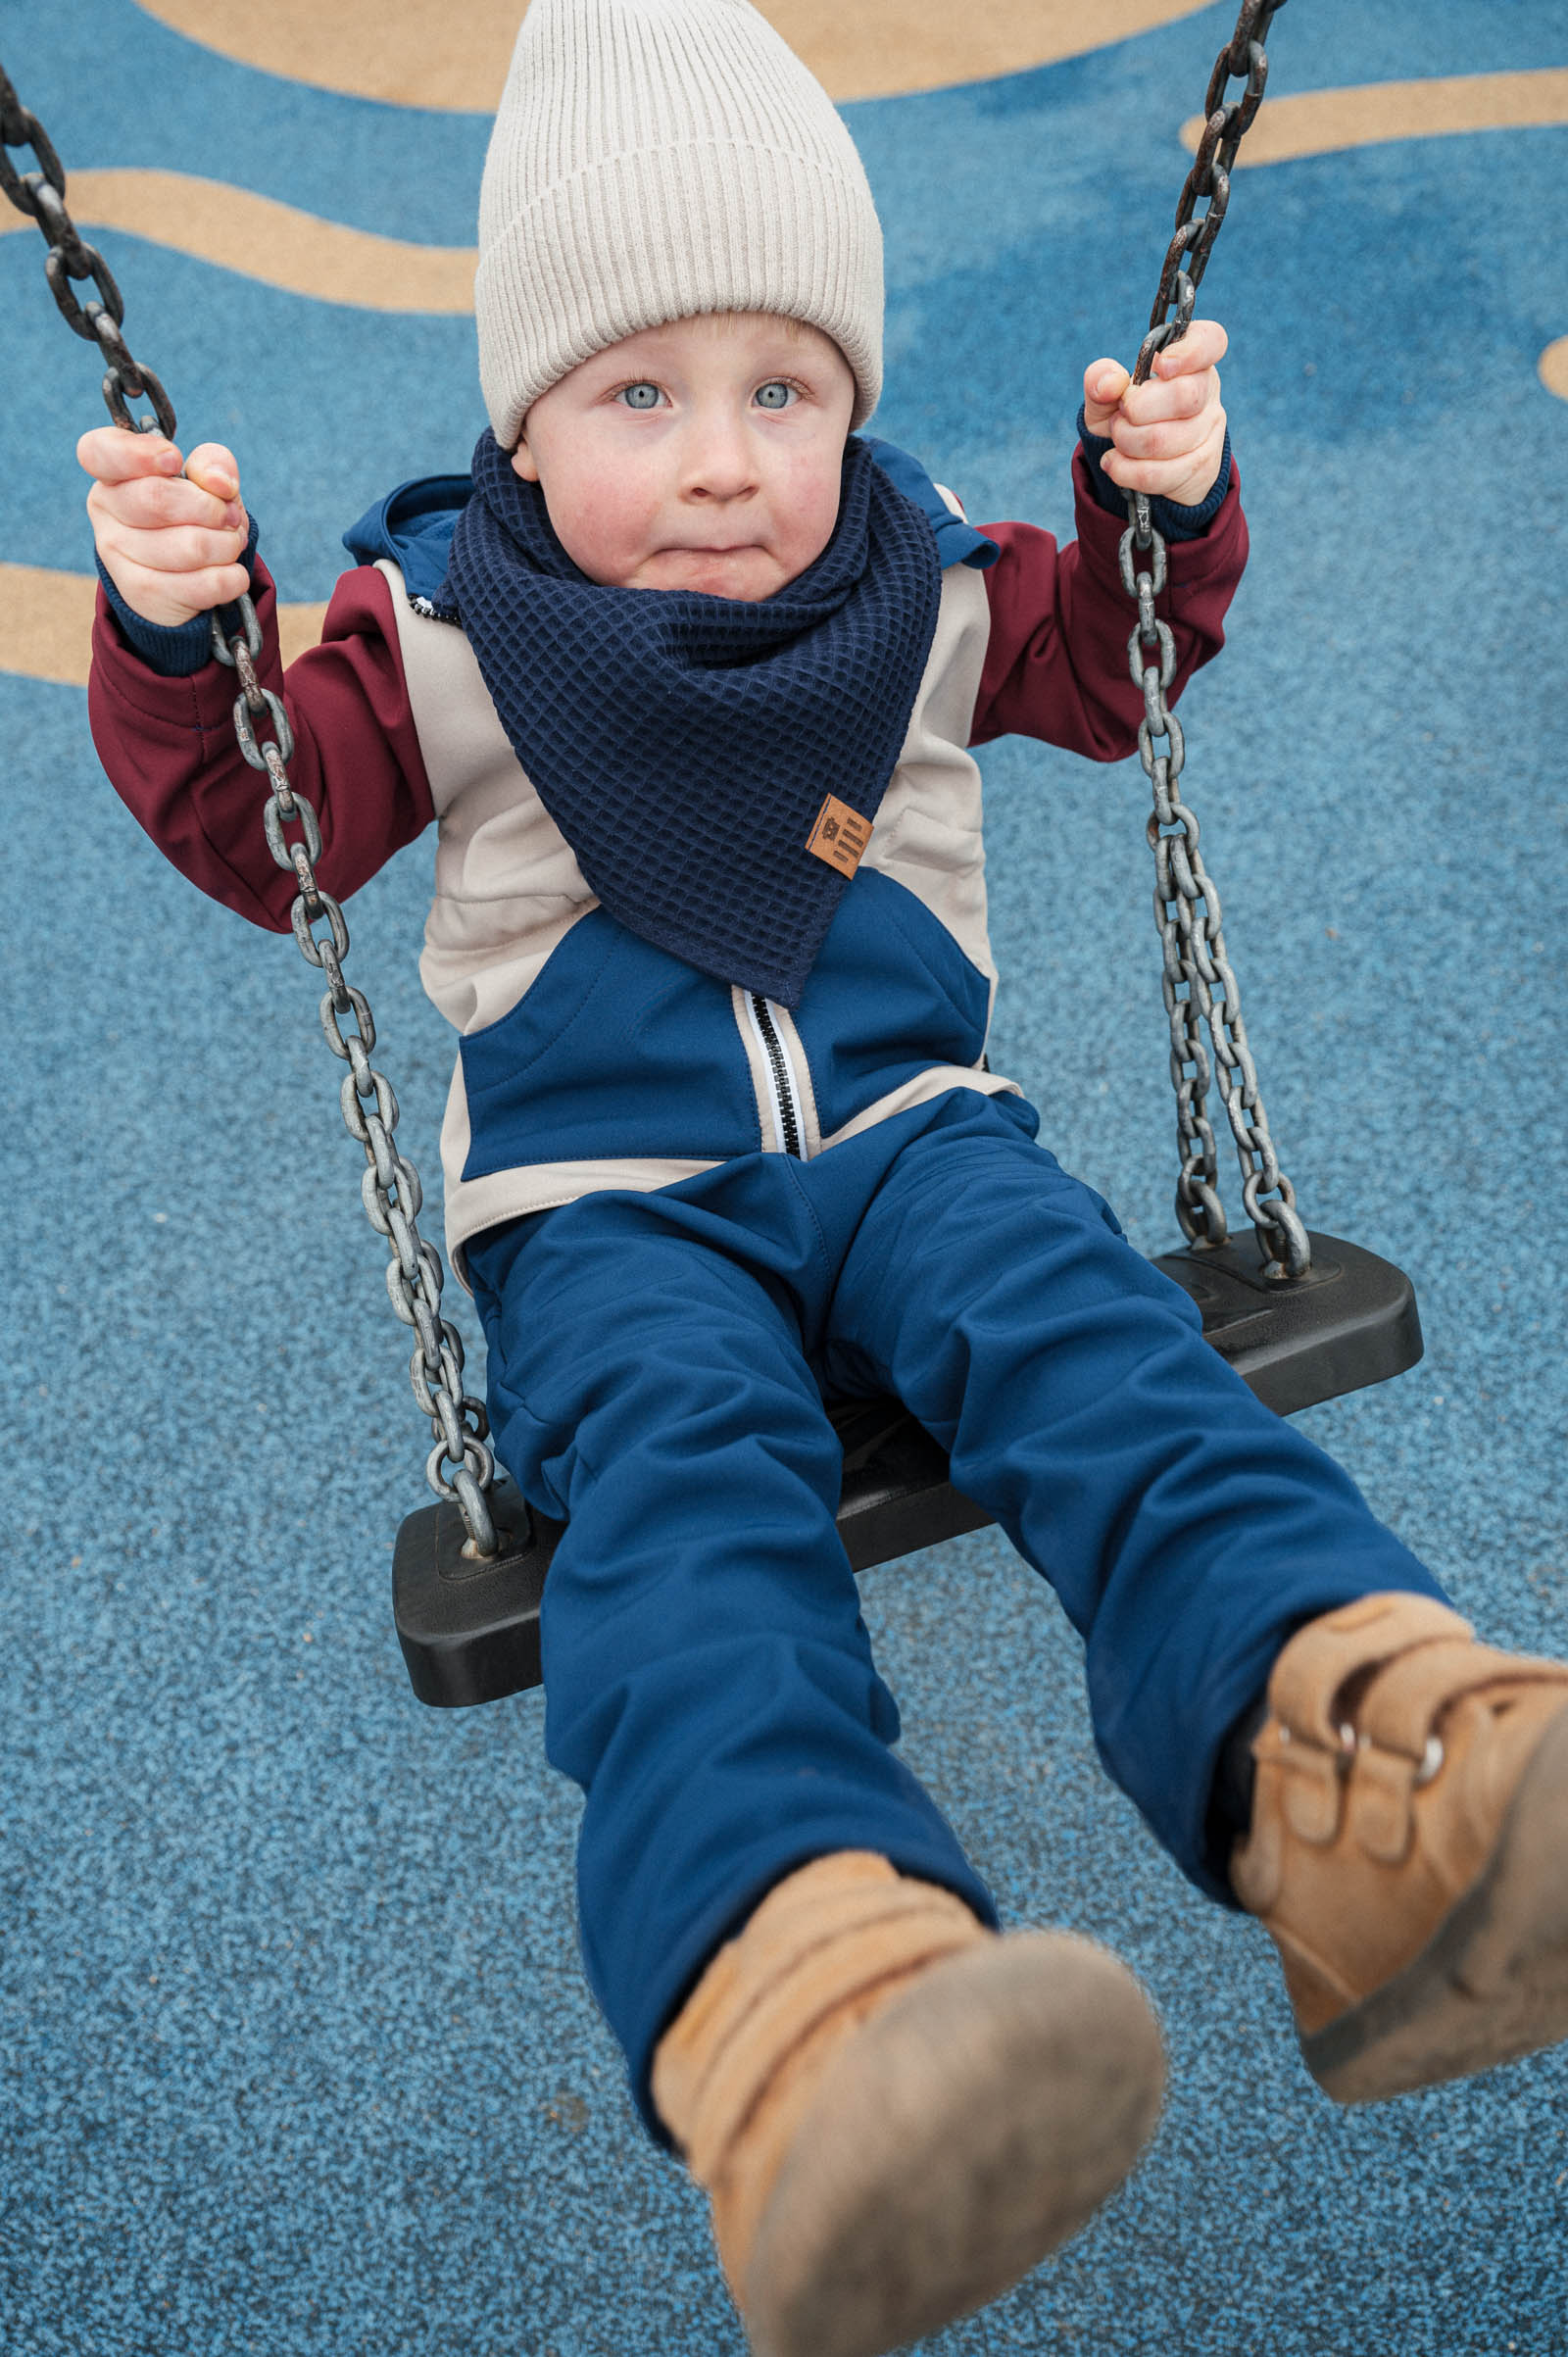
(639, 396)
(776, 395)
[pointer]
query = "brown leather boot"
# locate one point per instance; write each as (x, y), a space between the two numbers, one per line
(895, 2112)
(1409, 1849)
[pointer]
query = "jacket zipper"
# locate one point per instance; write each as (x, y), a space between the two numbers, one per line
(786, 1104)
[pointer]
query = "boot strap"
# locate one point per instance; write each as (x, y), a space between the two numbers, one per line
(825, 1936)
(1319, 1658)
(1400, 1708)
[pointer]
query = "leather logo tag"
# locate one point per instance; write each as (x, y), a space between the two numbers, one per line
(839, 836)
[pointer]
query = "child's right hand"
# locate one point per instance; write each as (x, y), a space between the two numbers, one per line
(171, 541)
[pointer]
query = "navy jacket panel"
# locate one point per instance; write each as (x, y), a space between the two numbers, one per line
(891, 995)
(618, 1050)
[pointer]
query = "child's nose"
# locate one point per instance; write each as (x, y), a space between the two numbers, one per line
(719, 463)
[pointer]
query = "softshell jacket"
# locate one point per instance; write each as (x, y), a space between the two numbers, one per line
(587, 1058)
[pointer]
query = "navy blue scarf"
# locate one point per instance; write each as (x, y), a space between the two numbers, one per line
(684, 744)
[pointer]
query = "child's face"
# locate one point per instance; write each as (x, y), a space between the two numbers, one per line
(705, 455)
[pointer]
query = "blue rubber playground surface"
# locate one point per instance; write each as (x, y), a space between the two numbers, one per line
(295, 2055)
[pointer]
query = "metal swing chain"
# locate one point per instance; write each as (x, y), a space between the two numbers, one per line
(391, 1189)
(41, 196)
(390, 1186)
(1187, 907)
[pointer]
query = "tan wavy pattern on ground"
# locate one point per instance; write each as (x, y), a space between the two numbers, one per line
(1317, 123)
(1553, 367)
(46, 624)
(399, 52)
(258, 237)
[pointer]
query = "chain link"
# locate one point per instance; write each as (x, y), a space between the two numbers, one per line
(390, 1188)
(41, 196)
(1198, 982)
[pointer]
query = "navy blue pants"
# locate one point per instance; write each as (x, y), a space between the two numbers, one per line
(658, 1365)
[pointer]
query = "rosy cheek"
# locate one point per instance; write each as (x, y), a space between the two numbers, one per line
(813, 512)
(597, 527)
(593, 529)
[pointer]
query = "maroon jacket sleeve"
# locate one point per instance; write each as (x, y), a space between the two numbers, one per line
(170, 748)
(1057, 664)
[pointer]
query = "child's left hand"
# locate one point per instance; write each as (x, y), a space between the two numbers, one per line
(1170, 431)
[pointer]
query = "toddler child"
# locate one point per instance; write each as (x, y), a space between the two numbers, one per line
(688, 673)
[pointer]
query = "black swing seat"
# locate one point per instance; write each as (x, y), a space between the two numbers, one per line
(470, 1626)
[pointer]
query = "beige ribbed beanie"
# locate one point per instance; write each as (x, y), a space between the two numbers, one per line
(652, 159)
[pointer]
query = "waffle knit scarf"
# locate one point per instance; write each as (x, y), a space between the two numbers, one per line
(685, 744)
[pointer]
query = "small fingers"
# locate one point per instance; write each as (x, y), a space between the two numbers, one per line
(1184, 478)
(157, 502)
(1104, 383)
(1167, 437)
(168, 600)
(188, 551)
(214, 469)
(1203, 346)
(217, 585)
(111, 455)
(1183, 381)
(1160, 398)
